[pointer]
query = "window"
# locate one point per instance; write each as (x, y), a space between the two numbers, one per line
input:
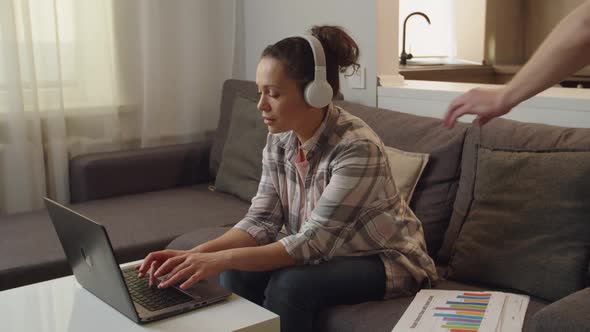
(456, 29)
(58, 53)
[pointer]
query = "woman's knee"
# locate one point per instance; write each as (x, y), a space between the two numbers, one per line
(236, 281)
(290, 285)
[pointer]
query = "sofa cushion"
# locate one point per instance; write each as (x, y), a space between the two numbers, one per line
(406, 169)
(241, 164)
(569, 314)
(383, 315)
(137, 224)
(435, 192)
(192, 239)
(231, 90)
(527, 226)
(511, 135)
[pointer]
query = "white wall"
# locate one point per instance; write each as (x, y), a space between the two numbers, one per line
(264, 22)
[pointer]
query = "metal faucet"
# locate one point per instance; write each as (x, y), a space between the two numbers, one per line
(406, 56)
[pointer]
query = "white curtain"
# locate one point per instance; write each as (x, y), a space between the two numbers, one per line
(98, 75)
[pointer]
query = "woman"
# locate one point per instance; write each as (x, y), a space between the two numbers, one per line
(350, 237)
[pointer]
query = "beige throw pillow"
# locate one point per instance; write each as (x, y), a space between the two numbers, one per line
(406, 169)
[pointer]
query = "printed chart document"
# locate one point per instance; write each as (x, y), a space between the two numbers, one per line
(459, 311)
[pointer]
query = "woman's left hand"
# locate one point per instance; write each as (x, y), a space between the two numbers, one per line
(194, 266)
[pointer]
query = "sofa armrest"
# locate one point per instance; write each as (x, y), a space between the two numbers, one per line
(567, 314)
(102, 175)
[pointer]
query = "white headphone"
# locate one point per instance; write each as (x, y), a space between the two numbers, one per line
(317, 93)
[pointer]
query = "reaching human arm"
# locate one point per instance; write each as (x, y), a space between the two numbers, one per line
(564, 51)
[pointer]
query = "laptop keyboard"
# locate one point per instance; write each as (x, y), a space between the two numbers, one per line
(152, 298)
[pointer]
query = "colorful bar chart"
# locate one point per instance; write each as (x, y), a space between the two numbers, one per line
(465, 314)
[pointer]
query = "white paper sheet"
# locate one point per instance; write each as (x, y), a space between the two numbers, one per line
(461, 311)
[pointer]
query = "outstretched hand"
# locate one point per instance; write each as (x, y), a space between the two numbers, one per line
(485, 103)
(181, 265)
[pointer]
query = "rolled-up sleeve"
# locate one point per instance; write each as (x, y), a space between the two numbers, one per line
(265, 215)
(358, 174)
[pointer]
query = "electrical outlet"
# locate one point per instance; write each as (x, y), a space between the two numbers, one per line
(357, 80)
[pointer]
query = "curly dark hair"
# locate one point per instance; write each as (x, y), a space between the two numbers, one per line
(295, 53)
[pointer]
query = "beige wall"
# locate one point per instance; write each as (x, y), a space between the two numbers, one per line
(541, 16)
(469, 21)
(504, 32)
(387, 37)
(516, 28)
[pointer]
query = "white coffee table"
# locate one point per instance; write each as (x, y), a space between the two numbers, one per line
(63, 305)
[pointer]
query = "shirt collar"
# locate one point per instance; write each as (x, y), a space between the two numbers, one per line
(290, 142)
(313, 140)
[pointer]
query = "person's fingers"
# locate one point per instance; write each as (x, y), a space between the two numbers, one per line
(196, 277)
(459, 101)
(153, 268)
(179, 267)
(465, 109)
(455, 104)
(168, 265)
(178, 276)
(147, 263)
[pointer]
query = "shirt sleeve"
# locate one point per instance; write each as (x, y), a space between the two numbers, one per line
(264, 218)
(358, 174)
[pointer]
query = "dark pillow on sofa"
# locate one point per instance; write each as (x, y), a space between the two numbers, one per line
(241, 163)
(528, 225)
(231, 90)
(504, 135)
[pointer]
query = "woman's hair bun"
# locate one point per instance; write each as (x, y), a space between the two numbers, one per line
(338, 46)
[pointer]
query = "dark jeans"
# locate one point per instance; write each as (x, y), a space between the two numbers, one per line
(298, 293)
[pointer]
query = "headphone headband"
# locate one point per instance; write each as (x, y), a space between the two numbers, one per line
(317, 49)
(318, 93)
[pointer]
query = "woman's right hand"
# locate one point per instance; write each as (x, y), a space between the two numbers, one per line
(154, 260)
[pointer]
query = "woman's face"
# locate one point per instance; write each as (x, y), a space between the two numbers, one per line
(281, 101)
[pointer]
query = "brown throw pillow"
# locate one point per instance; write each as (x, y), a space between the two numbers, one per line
(528, 224)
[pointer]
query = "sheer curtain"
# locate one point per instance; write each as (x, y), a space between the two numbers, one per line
(98, 75)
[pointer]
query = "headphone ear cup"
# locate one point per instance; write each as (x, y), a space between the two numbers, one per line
(318, 94)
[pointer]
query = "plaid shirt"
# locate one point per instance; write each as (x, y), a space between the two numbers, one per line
(350, 198)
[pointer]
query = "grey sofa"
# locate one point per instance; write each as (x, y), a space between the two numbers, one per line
(154, 198)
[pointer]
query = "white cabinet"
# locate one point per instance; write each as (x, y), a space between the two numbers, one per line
(565, 107)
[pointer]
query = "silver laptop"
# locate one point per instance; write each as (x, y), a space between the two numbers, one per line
(90, 255)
